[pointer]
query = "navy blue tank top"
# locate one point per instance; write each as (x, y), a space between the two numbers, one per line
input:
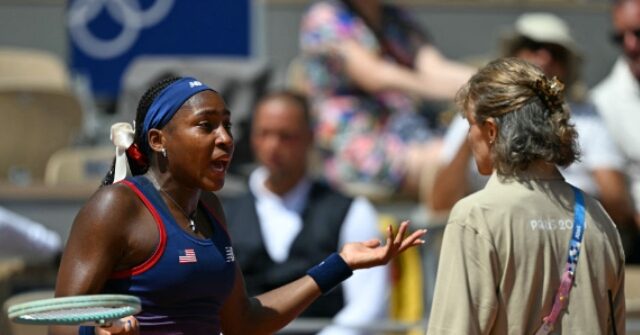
(187, 279)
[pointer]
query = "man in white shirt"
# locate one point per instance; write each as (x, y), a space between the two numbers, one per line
(288, 222)
(618, 95)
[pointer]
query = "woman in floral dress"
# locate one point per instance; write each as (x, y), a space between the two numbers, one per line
(369, 66)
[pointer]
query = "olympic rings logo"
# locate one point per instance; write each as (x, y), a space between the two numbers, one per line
(127, 13)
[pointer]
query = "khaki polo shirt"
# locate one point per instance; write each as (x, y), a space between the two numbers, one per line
(503, 254)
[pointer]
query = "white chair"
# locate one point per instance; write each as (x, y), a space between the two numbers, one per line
(40, 112)
(30, 69)
(79, 166)
(35, 125)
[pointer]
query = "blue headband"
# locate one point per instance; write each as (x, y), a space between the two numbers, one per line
(167, 103)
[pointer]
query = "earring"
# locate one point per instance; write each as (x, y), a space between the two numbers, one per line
(164, 152)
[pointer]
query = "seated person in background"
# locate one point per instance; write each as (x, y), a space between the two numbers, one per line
(369, 68)
(287, 221)
(27, 239)
(544, 40)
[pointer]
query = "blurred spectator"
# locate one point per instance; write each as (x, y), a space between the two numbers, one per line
(544, 40)
(618, 95)
(26, 239)
(369, 68)
(288, 222)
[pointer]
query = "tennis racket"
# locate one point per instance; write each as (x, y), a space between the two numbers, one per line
(94, 310)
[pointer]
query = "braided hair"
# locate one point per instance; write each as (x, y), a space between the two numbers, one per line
(138, 161)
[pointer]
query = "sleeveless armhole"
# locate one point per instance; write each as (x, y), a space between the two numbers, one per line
(212, 214)
(149, 263)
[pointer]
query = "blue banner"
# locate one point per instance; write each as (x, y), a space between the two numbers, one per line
(106, 35)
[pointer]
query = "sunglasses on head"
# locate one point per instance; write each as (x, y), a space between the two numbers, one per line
(618, 37)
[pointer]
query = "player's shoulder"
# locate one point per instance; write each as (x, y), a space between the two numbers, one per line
(112, 201)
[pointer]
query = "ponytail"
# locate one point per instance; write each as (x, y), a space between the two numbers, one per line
(137, 161)
(138, 164)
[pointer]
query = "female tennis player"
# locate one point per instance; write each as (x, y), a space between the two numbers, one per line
(160, 233)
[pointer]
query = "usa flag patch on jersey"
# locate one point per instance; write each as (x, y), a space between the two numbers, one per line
(187, 256)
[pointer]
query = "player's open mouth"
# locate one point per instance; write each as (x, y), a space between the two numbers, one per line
(219, 165)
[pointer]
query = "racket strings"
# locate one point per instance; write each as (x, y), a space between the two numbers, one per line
(81, 314)
(87, 309)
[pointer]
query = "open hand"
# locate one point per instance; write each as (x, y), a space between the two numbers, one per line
(360, 255)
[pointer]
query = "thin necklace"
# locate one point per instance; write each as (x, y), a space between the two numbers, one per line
(191, 218)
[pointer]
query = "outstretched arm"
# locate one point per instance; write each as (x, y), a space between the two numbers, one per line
(325, 34)
(273, 310)
(436, 77)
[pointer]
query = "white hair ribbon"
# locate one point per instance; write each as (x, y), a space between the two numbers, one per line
(122, 138)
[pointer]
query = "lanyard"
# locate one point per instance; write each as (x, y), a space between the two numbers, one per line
(562, 295)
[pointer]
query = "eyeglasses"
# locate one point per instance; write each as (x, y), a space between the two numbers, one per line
(618, 37)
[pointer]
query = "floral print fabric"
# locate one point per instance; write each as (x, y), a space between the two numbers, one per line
(363, 136)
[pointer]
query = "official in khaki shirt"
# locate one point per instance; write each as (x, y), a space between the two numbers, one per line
(505, 247)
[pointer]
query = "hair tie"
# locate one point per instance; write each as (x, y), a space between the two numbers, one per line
(550, 92)
(137, 156)
(122, 138)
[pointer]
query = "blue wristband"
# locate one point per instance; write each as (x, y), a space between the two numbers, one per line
(330, 272)
(86, 330)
